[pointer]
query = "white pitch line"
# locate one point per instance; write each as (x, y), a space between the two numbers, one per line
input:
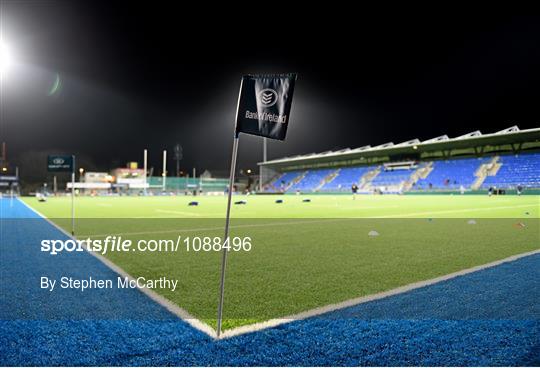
(480, 209)
(349, 207)
(329, 220)
(218, 228)
(167, 304)
(179, 213)
(356, 301)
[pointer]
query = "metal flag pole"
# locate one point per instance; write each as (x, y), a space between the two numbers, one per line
(261, 168)
(73, 195)
(228, 218)
(145, 167)
(164, 174)
(225, 239)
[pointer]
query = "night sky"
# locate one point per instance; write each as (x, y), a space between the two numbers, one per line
(149, 76)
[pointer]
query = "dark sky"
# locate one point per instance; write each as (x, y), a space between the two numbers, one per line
(151, 75)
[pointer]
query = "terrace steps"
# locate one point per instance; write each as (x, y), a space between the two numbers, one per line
(421, 173)
(296, 180)
(365, 180)
(271, 183)
(495, 169)
(326, 180)
(485, 170)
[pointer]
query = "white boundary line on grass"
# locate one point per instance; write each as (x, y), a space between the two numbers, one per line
(203, 327)
(480, 209)
(306, 221)
(356, 301)
(167, 304)
(190, 230)
(185, 213)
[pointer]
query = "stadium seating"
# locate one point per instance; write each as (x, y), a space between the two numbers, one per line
(311, 181)
(345, 178)
(451, 174)
(517, 170)
(523, 169)
(281, 183)
(391, 178)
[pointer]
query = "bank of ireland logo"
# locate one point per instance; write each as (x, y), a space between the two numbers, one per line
(58, 161)
(267, 97)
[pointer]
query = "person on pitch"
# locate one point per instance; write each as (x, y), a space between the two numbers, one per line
(354, 189)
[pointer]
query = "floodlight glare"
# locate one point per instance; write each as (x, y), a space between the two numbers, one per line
(5, 58)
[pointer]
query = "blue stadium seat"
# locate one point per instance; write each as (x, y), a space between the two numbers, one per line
(391, 177)
(523, 169)
(452, 174)
(311, 181)
(345, 179)
(282, 182)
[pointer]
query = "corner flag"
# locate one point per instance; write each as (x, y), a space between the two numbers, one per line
(264, 105)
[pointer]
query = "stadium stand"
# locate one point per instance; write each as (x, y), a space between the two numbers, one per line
(516, 170)
(389, 178)
(281, 183)
(444, 175)
(311, 181)
(345, 178)
(451, 174)
(471, 162)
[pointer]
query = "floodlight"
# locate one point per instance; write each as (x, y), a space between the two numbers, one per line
(5, 58)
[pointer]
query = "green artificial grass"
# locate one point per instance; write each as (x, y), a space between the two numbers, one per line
(305, 255)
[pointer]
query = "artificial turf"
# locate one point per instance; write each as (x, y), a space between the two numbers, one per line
(306, 255)
(321, 206)
(486, 318)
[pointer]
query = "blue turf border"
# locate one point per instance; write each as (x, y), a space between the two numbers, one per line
(487, 318)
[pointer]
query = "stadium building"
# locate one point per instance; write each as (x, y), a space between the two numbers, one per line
(505, 161)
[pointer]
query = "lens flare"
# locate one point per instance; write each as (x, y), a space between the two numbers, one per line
(56, 85)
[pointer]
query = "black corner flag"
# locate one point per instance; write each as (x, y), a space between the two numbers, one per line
(264, 106)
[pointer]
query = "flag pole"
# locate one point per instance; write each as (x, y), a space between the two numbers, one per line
(261, 168)
(228, 217)
(164, 174)
(225, 239)
(73, 196)
(145, 167)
